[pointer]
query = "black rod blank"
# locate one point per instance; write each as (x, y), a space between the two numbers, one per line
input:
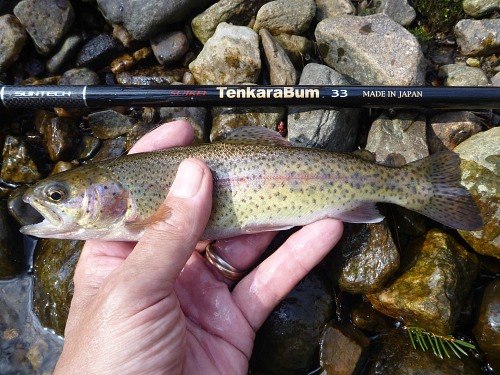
(485, 97)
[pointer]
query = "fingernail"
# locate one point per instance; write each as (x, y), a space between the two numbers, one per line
(188, 180)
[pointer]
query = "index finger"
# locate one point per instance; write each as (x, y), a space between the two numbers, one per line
(260, 291)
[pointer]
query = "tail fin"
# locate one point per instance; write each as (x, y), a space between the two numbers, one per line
(450, 204)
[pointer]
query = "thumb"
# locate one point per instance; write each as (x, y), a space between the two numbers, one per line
(159, 256)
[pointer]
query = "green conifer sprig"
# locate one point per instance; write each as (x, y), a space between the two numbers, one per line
(438, 343)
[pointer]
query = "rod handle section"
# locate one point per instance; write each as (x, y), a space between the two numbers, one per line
(43, 96)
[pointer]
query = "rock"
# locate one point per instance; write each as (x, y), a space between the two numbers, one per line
(365, 317)
(17, 163)
(231, 56)
(481, 176)
(46, 21)
(394, 354)
(281, 70)
(226, 119)
(342, 349)
(24, 341)
(235, 12)
(458, 75)
(447, 130)
(22, 212)
(169, 47)
(286, 16)
(334, 130)
(332, 8)
(87, 148)
(61, 138)
(79, 76)
(288, 341)
(98, 52)
(109, 124)
(156, 75)
(478, 37)
(68, 49)
(399, 10)
(436, 278)
(487, 329)
(365, 258)
(122, 63)
(11, 256)
(143, 19)
(346, 44)
(139, 129)
(409, 222)
(478, 8)
(54, 267)
(196, 116)
(298, 48)
(12, 39)
(404, 135)
(110, 149)
(62, 166)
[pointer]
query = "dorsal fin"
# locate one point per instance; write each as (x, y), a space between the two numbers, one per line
(255, 135)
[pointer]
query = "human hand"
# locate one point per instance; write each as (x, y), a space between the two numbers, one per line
(159, 307)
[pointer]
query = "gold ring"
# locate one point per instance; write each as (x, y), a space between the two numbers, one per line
(225, 269)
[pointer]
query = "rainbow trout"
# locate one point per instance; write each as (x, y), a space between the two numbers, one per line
(261, 183)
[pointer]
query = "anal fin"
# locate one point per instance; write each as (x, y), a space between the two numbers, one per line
(366, 212)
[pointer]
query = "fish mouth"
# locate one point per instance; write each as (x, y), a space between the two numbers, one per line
(52, 224)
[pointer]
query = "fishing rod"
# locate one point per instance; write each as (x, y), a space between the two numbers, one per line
(485, 97)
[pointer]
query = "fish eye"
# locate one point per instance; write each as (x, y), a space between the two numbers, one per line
(56, 194)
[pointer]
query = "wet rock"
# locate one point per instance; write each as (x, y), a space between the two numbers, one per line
(280, 67)
(156, 75)
(25, 343)
(122, 35)
(169, 47)
(478, 37)
(404, 134)
(122, 63)
(110, 149)
(334, 130)
(342, 349)
(346, 44)
(458, 75)
(332, 8)
(288, 341)
(481, 176)
(79, 76)
(226, 119)
(46, 21)
(441, 55)
(61, 138)
(143, 19)
(231, 56)
(409, 222)
(11, 255)
(12, 39)
(399, 10)
(477, 8)
(487, 329)
(98, 52)
(235, 12)
(365, 317)
(87, 148)
(17, 163)
(68, 49)
(365, 258)
(447, 130)
(286, 16)
(62, 166)
(298, 48)
(54, 266)
(109, 124)
(196, 116)
(436, 278)
(22, 212)
(138, 130)
(394, 354)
